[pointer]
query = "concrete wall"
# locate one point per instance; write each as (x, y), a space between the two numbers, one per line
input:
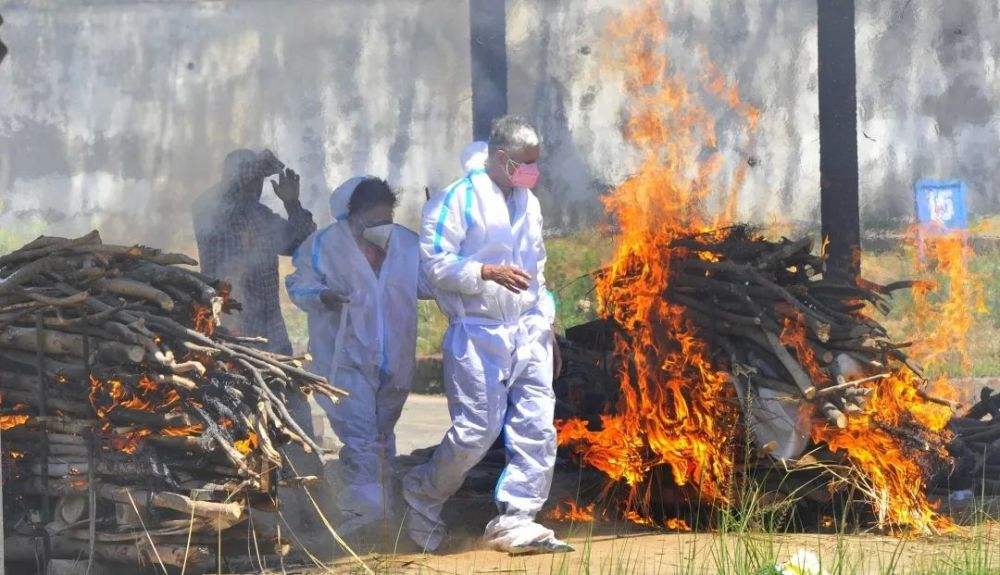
(928, 91)
(113, 112)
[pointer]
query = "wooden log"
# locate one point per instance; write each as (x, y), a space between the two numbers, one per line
(133, 252)
(834, 415)
(149, 419)
(175, 380)
(713, 311)
(54, 367)
(68, 301)
(27, 435)
(64, 425)
(30, 271)
(778, 257)
(105, 466)
(67, 405)
(66, 344)
(138, 290)
(24, 549)
(183, 279)
(46, 245)
(799, 376)
(849, 384)
(227, 513)
(194, 443)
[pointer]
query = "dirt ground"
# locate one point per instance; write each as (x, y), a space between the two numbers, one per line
(606, 548)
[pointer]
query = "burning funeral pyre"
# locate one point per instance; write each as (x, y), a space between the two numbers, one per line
(720, 339)
(726, 337)
(129, 417)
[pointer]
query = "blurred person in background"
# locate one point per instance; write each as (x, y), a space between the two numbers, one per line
(358, 280)
(240, 239)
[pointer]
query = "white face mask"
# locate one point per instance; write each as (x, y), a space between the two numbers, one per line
(378, 235)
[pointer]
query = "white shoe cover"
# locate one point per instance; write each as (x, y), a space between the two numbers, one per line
(513, 533)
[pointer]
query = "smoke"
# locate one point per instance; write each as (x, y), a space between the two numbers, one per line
(118, 116)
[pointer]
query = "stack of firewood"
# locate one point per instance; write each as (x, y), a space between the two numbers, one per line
(129, 416)
(976, 447)
(783, 325)
(808, 363)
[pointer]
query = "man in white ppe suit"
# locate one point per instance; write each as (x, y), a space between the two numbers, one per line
(482, 251)
(358, 279)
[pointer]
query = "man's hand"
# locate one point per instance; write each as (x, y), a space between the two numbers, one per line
(557, 364)
(332, 300)
(287, 186)
(511, 277)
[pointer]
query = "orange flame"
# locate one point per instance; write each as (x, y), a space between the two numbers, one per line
(569, 511)
(674, 408)
(892, 470)
(107, 395)
(182, 430)
(795, 335)
(946, 309)
(677, 524)
(130, 442)
(12, 421)
(245, 446)
(202, 319)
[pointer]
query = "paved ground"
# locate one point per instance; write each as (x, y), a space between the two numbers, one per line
(423, 423)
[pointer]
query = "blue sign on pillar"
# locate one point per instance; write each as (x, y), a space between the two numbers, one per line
(941, 205)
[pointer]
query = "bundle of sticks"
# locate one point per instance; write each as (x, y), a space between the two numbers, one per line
(134, 426)
(820, 389)
(976, 447)
(784, 325)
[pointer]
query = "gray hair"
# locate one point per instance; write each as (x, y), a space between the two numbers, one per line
(512, 134)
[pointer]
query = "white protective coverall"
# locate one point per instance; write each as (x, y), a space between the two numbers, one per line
(375, 359)
(497, 355)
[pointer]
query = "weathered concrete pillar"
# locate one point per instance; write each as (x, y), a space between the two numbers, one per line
(3, 54)
(488, 38)
(838, 140)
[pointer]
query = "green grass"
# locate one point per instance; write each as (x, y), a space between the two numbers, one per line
(984, 337)
(12, 238)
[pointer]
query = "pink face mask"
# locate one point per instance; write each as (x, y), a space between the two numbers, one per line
(524, 175)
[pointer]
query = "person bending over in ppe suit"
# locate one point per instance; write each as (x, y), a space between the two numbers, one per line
(358, 280)
(482, 251)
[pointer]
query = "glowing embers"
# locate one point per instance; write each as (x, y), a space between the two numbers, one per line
(202, 319)
(142, 394)
(570, 511)
(10, 421)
